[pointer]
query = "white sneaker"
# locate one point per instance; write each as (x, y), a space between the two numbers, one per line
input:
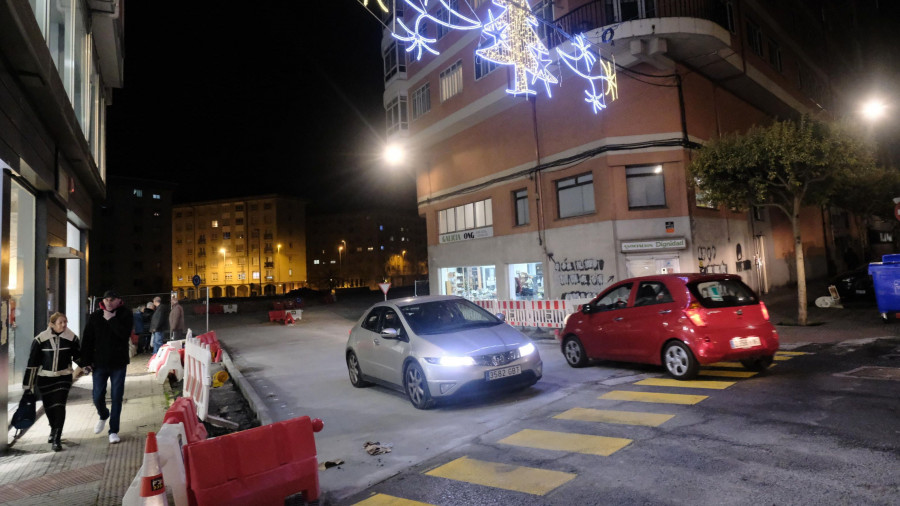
(114, 438)
(99, 427)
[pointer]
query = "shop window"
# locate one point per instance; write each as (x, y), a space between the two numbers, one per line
(526, 281)
(646, 186)
(575, 195)
(473, 283)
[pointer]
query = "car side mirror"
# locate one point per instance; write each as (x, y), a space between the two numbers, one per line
(390, 334)
(587, 309)
(501, 317)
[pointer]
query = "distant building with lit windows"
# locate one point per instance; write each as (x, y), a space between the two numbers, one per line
(556, 197)
(240, 247)
(365, 248)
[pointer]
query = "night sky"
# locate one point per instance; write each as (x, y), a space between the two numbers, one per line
(230, 99)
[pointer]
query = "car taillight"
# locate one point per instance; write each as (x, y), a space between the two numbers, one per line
(764, 309)
(695, 313)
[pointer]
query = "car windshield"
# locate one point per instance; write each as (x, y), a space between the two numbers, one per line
(443, 316)
(723, 293)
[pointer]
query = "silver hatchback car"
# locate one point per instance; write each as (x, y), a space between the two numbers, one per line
(437, 347)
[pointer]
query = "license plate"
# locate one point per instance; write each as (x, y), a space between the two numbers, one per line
(503, 373)
(744, 342)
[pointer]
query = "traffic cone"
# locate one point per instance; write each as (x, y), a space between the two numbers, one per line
(288, 319)
(153, 488)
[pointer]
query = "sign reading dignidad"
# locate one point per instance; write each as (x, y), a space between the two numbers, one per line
(654, 244)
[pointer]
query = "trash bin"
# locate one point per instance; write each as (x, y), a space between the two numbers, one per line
(886, 277)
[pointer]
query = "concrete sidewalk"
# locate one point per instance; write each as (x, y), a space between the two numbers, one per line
(89, 470)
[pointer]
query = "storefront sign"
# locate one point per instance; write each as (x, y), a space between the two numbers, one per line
(478, 233)
(654, 244)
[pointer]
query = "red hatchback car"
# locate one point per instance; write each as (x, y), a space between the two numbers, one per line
(681, 321)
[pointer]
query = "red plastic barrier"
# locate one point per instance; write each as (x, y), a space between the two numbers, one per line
(276, 316)
(200, 309)
(215, 349)
(259, 466)
(216, 309)
(182, 410)
(277, 306)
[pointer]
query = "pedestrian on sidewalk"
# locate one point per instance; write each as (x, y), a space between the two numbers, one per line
(50, 367)
(159, 323)
(104, 351)
(176, 319)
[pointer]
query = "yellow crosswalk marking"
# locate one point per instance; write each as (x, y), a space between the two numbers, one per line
(728, 374)
(389, 500)
(665, 382)
(779, 358)
(567, 442)
(611, 416)
(623, 395)
(793, 353)
(733, 365)
(506, 476)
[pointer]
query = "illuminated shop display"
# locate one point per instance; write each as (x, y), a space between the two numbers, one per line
(473, 282)
(510, 37)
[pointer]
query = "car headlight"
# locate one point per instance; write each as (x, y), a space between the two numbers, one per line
(451, 361)
(526, 350)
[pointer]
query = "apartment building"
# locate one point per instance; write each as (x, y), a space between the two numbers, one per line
(59, 61)
(134, 243)
(241, 247)
(541, 177)
(365, 248)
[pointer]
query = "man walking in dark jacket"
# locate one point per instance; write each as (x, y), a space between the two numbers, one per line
(104, 351)
(159, 323)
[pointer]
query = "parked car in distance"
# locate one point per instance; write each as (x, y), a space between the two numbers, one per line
(681, 321)
(439, 346)
(855, 284)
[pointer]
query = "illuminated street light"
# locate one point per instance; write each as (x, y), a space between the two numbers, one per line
(394, 154)
(874, 109)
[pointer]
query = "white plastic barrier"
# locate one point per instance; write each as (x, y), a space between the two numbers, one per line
(533, 313)
(229, 308)
(197, 379)
(167, 360)
(295, 313)
(169, 440)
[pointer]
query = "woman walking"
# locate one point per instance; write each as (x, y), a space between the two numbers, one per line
(50, 366)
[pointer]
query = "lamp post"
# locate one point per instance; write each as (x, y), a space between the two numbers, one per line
(222, 251)
(341, 263)
(278, 266)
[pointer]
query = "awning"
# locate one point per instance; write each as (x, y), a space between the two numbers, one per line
(64, 252)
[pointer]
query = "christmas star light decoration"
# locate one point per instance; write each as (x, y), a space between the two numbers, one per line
(380, 4)
(606, 79)
(415, 37)
(514, 41)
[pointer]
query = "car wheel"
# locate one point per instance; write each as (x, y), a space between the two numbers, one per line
(574, 352)
(679, 361)
(356, 378)
(757, 364)
(417, 387)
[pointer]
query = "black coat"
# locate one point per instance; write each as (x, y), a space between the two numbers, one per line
(160, 320)
(104, 343)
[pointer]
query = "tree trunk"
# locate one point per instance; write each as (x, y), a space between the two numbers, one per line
(801, 265)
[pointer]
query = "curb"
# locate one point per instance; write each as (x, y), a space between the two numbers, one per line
(253, 399)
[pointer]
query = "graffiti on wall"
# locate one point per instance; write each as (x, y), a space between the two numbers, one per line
(706, 256)
(581, 279)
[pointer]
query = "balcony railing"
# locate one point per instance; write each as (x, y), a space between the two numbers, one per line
(600, 13)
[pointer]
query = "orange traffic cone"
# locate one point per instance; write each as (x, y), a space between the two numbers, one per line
(153, 488)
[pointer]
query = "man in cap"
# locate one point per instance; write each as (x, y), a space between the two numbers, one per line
(104, 348)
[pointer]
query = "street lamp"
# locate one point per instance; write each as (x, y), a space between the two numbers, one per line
(222, 251)
(278, 265)
(341, 263)
(874, 109)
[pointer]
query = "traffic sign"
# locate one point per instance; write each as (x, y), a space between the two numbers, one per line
(196, 280)
(384, 288)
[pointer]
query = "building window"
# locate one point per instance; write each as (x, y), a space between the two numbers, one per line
(521, 201)
(315, 262)
(754, 38)
(543, 11)
(421, 101)
(624, 10)
(226, 235)
(775, 55)
(484, 67)
(137, 192)
(451, 81)
(701, 199)
(394, 61)
(646, 186)
(396, 115)
(575, 195)
(444, 15)
(729, 16)
(466, 217)
(215, 276)
(214, 224)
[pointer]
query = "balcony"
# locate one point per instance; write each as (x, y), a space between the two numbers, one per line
(269, 265)
(600, 13)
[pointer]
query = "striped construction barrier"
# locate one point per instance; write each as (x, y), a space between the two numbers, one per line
(533, 313)
(197, 379)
